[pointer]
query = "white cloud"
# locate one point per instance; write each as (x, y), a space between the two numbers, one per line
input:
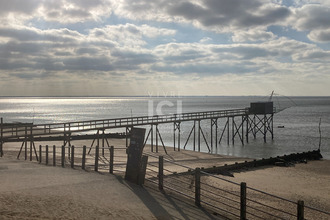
(314, 18)
(252, 35)
(217, 15)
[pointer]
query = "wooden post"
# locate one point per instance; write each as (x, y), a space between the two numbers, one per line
(198, 186)
(265, 128)
(72, 156)
(1, 142)
(243, 201)
(83, 161)
(152, 138)
(157, 138)
(174, 134)
(25, 143)
(103, 134)
(31, 142)
(242, 139)
(46, 154)
(194, 135)
(300, 210)
(228, 136)
(63, 156)
(143, 170)
(40, 154)
(232, 130)
(179, 131)
(199, 136)
(54, 155)
(111, 159)
(161, 173)
(96, 165)
(247, 128)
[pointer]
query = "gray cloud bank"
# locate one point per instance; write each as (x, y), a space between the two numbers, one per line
(28, 51)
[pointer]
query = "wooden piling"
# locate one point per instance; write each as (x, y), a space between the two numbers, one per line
(243, 201)
(83, 161)
(25, 143)
(40, 153)
(72, 156)
(1, 142)
(63, 156)
(46, 154)
(161, 173)
(143, 170)
(54, 155)
(300, 210)
(198, 186)
(96, 164)
(111, 159)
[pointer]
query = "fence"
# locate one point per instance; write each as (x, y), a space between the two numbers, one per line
(217, 194)
(86, 158)
(225, 197)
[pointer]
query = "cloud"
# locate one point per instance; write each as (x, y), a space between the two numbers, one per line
(59, 11)
(313, 18)
(216, 15)
(26, 7)
(252, 35)
(321, 36)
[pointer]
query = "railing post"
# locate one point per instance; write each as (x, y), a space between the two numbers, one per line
(161, 173)
(46, 154)
(111, 159)
(300, 210)
(63, 156)
(72, 156)
(198, 186)
(243, 201)
(1, 142)
(54, 155)
(96, 165)
(40, 153)
(83, 161)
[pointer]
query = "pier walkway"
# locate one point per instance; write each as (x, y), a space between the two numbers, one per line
(242, 122)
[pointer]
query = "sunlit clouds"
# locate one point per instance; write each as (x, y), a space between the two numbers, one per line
(199, 47)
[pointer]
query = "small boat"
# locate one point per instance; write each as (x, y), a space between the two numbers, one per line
(280, 126)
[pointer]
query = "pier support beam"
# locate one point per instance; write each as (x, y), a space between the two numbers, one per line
(176, 127)
(260, 124)
(154, 133)
(28, 138)
(1, 141)
(214, 131)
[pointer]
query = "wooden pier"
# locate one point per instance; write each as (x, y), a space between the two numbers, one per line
(236, 123)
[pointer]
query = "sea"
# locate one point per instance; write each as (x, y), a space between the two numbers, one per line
(300, 123)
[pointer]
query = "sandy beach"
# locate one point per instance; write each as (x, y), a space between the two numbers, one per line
(33, 191)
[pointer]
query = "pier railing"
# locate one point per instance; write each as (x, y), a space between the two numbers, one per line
(19, 130)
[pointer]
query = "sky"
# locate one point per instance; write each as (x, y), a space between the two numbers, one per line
(164, 47)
